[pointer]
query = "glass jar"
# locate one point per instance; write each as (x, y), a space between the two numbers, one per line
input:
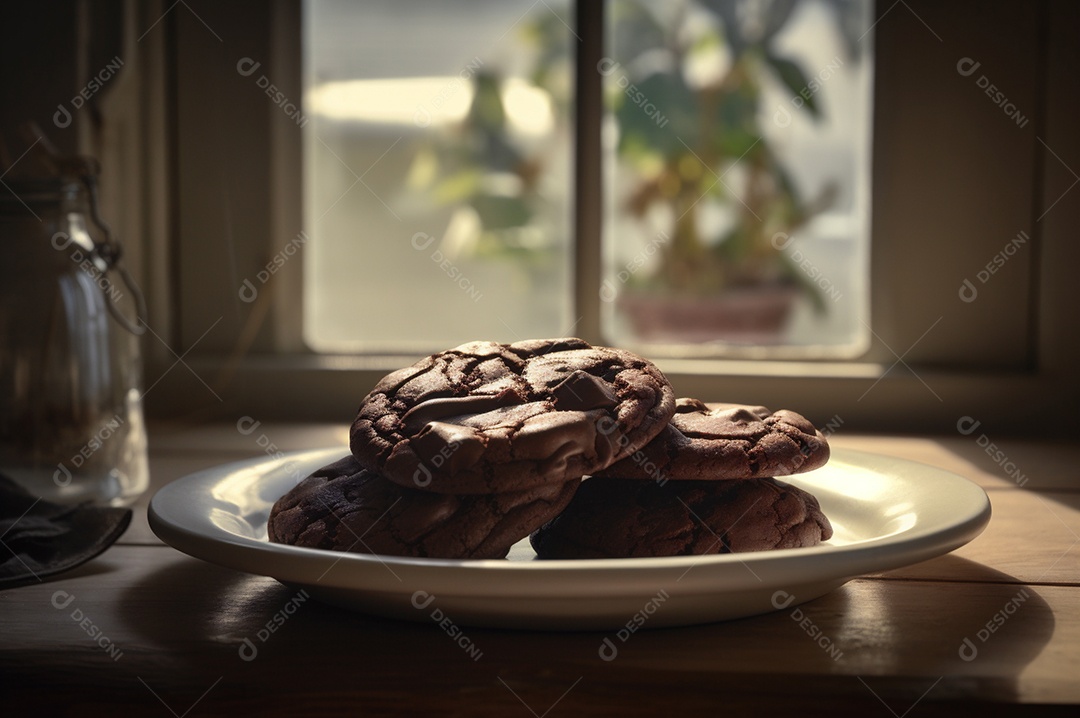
(71, 419)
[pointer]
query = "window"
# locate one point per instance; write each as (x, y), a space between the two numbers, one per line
(438, 175)
(737, 142)
(953, 181)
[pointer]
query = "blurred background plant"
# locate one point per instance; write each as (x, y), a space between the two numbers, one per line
(684, 90)
(491, 169)
(707, 84)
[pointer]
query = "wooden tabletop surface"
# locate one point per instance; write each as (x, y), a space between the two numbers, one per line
(146, 630)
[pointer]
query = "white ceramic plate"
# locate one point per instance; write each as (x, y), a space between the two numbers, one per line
(885, 512)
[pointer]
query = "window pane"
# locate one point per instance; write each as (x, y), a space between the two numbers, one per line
(737, 144)
(437, 172)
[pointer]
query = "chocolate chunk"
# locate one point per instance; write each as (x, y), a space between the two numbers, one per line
(582, 391)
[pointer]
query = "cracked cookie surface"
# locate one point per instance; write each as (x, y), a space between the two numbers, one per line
(632, 518)
(489, 418)
(345, 507)
(726, 441)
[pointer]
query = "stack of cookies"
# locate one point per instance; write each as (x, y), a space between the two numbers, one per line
(470, 450)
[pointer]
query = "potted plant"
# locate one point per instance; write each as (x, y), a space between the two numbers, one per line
(703, 142)
(689, 111)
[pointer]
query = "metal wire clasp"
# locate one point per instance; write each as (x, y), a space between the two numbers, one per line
(111, 252)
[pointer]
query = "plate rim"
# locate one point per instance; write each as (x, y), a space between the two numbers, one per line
(823, 562)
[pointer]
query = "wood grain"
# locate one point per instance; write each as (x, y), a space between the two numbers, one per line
(1037, 464)
(146, 630)
(181, 623)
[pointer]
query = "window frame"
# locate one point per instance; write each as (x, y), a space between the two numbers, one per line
(911, 379)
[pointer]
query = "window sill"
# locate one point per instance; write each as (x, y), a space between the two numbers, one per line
(854, 396)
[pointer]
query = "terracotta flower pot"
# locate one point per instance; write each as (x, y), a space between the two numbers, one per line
(745, 315)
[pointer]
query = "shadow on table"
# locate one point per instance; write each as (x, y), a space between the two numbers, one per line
(873, 640)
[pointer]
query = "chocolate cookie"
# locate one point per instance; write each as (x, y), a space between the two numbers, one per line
(628, 518)
(726, 441)
(344, 507)
(489, 418)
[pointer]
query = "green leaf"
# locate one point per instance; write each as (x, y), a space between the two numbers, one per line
(457, 187)
(795, 80)
(659, 111)
(487, 109)
(500, 211)
(734, 143)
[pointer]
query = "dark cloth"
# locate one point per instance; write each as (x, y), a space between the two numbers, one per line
(39, 538)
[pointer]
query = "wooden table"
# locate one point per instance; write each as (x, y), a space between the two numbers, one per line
(157, 633)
